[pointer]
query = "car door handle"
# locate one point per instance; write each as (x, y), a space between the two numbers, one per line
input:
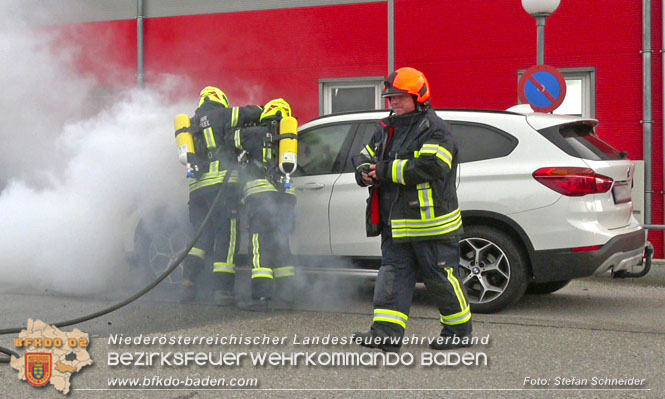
(311, 186)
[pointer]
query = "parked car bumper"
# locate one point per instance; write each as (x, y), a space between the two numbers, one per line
(622, 252)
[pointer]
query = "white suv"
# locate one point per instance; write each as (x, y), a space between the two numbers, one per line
(543, 201)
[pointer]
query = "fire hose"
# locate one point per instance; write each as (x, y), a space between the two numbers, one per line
(172, 266)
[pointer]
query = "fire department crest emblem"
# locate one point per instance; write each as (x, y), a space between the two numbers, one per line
(38, 368)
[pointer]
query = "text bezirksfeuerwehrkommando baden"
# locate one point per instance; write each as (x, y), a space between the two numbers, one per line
(131, 354)
(293, 359)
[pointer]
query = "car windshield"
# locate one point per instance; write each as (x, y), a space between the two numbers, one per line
(580, 140)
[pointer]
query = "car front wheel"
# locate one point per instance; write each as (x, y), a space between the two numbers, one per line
(158, 242)
(492, 269)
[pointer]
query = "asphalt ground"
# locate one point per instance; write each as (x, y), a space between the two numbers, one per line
(562, 345)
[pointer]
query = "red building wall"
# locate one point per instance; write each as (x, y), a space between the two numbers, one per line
(470, 51)
(257, 56)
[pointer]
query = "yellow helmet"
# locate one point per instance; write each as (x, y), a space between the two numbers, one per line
(274, 106)
(214, 94)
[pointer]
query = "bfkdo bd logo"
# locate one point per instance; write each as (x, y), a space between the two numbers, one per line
(38, 368)
(52, 356)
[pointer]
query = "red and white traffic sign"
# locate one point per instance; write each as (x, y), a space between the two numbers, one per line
(543, 87)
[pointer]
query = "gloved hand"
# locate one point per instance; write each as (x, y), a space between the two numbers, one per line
(196, 165)
(253, 114)
(367, 169)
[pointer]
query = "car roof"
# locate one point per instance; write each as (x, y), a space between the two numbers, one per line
(535, 119)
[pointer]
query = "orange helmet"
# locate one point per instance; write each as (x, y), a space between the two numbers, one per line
(407, 81)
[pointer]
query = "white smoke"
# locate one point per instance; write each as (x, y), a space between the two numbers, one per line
(74, 182)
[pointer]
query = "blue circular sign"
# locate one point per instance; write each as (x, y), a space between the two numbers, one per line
(543, 87)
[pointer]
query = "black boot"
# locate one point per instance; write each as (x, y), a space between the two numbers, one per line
(224, 298)
(191, 269)
(188, 293)
(259, 305)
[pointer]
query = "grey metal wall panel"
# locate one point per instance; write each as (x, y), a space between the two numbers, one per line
(165, 8)
(70, 11)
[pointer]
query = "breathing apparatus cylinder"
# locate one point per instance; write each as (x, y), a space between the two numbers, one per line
(185, 142)
(288, 147)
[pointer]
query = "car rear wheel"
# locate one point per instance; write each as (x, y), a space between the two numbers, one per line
(492, 269)
(546, 288)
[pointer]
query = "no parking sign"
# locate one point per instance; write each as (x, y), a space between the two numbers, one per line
(543, 87)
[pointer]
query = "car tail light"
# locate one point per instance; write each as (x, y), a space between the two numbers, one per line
(587, 249)
(573, 182)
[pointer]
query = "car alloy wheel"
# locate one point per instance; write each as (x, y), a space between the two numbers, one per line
(492, 269)
(486, 269)
(163, 249)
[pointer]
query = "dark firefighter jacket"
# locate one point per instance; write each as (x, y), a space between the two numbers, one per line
(213, 142)
(416, 160)
(262, 172)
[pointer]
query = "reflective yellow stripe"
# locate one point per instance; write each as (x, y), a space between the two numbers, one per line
(232, 243)
(212, 178)
(439, 225)
(439, 151)
(458, 289)
(368, 151)
(210, 137)
(427, 223)
(223, 267)
(398, 170)
(286, 271)
(209, 181)
(458, 318)
(235, 176)
(262, 272)
(263, 189)
(198, 252)
(235, 112)
(256, 259)
(236, 138)
(258, 186)
(426, 201)
(431, 231)
(391, 316)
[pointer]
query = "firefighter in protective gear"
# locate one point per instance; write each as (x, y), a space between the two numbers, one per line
(270, 208)
(410, 165)
(212, 131)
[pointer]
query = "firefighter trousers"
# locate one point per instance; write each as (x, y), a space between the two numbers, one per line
(271, 218)
(437, 262)
(218, 240)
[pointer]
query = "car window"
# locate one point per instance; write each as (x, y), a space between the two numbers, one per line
(365, 132)
(320, 149)
(496, 143)
(477, 142)
(580, 141)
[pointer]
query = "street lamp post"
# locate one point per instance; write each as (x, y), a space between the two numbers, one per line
(540, 9)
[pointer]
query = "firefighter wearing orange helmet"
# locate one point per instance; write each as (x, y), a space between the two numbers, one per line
(410, 165)
(212, 133)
